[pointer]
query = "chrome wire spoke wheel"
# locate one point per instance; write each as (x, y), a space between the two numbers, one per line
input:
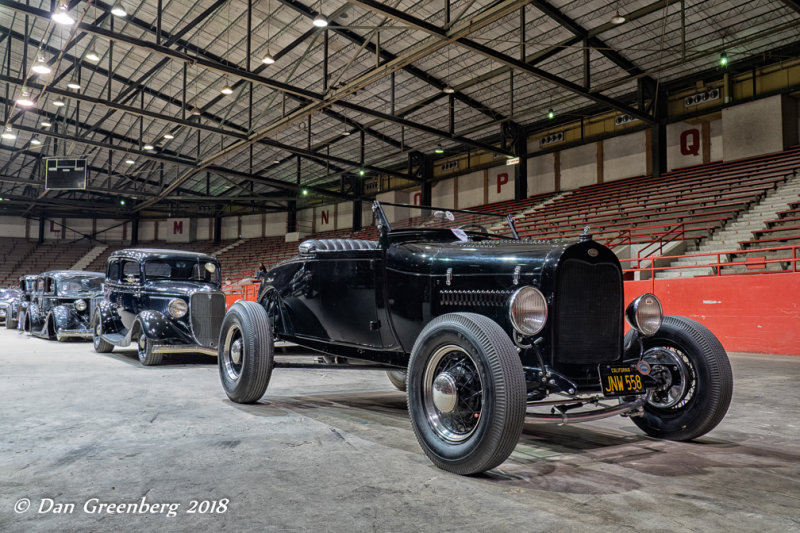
(452, 393)
(233, 353)
(676, 392)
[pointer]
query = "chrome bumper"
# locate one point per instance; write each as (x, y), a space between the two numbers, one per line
(75, 333)
(184, 348)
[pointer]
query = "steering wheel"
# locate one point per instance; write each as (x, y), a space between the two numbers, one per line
(474, 227)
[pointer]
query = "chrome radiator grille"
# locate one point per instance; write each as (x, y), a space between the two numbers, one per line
(207, 310)
(588, 312)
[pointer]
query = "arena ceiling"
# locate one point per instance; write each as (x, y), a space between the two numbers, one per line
(361, 94)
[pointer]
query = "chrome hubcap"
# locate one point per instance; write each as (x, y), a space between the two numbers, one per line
(236, 351)
(445, 394)
(672, 392)
(452, 393)
(142, 342)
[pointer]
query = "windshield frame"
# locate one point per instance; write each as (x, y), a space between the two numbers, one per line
(384, 226)
(201, 261)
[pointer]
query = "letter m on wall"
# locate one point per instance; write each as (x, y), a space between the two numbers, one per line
(177, 227)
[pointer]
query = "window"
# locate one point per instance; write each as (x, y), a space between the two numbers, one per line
(131, 272)
(113, 270)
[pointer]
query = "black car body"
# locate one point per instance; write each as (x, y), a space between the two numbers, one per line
(60, 305)
(492, 331)
(166, 301)
(9, 303)
(15, 311)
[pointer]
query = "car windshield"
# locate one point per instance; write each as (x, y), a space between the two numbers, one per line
(182, 269)
(460, 222)
(7, 294)
(79, 284)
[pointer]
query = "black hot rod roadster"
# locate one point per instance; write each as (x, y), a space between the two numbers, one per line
(491, 330)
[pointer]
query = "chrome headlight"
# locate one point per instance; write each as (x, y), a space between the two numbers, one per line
(644, 314)
(527, 309)
(80, 305)
(177, 308)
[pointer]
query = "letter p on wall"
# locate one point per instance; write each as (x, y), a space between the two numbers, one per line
(502, 179)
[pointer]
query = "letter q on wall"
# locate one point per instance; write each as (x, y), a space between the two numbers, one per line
(690, 142)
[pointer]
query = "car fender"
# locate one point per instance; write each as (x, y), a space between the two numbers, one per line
(157, 326)
(109, 320)
(62, 316)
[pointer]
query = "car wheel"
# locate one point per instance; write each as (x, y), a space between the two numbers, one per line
(146, 355)
(466, 393)
(11, 323)
(697, 394)
(398, 379)
(100, 345)
(246, 352)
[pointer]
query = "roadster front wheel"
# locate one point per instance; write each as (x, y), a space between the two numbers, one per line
(698, 381)
(398, 379)
(466, 393)
(246, 352)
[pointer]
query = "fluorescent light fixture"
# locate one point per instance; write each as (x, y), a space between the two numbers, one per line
(448, 89)
(227, 90)
(9, 134)
(41, 66)
(74, 83)
(320, 21)
(25, 99)
(617, 19)
(268, 59)
(59, 102)
(62, 16)
(118, 10)
(92, 55)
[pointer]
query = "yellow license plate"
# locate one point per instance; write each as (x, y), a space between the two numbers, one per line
(621, 380)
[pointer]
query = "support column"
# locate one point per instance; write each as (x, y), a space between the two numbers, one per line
(134, 231)
(658, 145)
(521, 169)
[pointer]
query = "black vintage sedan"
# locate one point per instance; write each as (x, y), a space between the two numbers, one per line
(59, 305)
(491, 330)
(18, 307)
(9, 302)
(166, 301)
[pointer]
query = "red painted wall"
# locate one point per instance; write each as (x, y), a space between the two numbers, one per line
(749, 313)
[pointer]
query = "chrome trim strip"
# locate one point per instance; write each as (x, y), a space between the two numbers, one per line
(184, 348)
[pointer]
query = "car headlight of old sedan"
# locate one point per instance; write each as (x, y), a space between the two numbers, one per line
(527, 309)
(645, 314)
(177, 308)
(80, 305)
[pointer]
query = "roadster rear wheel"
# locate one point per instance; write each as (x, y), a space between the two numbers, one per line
(100, 345)
(697, 389)
(398, 379)
(466, 393)
(146, 355)
(246, 352)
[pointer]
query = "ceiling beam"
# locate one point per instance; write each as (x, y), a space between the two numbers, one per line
(516, 64)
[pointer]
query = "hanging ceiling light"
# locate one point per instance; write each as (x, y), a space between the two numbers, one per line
(9, 134)
(448, 89)
(118, 10)
(320, 21)
(41, 66)
(268, 59)
(439, 149)
(346, 132)
(74, 83)
(25, 99)
(617, 18)
(226, 90)
(59, 102)
(551, 114)
(723, 59)
(45, 123)
(129, 161)
(169, 136)
(92, 55)
(149, 147)
(36, 141)
(195, 111)
(276, 161)
(62, 16)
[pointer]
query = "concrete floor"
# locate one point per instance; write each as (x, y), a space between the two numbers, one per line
(334, 451)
